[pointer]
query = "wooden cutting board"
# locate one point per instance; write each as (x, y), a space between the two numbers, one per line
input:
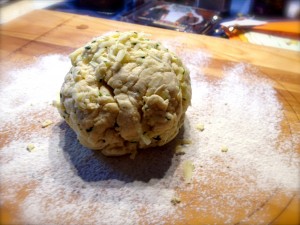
(46, 32)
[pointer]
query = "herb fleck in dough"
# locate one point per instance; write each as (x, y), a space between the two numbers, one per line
(124, 92)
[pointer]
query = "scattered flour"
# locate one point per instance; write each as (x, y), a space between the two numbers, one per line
(64, 183)
(29, 88)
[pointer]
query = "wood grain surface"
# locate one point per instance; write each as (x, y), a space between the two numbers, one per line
(47, 32)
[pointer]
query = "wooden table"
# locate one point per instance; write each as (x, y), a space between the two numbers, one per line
(47, 32)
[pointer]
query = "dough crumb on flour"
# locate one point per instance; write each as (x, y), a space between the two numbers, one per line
(30, 147)
(175, 201)
(188, 169)
(46, 123)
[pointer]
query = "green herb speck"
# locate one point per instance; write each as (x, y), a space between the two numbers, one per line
(157, 138)
(89, 129)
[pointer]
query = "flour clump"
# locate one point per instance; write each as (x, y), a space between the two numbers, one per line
(125, 92)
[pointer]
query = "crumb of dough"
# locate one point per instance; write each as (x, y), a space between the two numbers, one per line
(200, 127)
(56, 103)
(46, 123)
(224, 148)
(30, 147)
(179, 150)
(188, 168)
(185, 141)
(133, 155)
(175, 200)
(125, 92)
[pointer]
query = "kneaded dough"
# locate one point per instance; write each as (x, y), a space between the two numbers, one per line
(125, 92)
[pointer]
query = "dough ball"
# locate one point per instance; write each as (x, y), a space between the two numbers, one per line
(125, 92)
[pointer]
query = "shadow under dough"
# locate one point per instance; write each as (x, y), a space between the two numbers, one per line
(92, 166)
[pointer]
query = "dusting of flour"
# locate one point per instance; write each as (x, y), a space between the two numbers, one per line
(64, 183)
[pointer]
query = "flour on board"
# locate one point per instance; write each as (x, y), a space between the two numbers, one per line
(64, 182)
